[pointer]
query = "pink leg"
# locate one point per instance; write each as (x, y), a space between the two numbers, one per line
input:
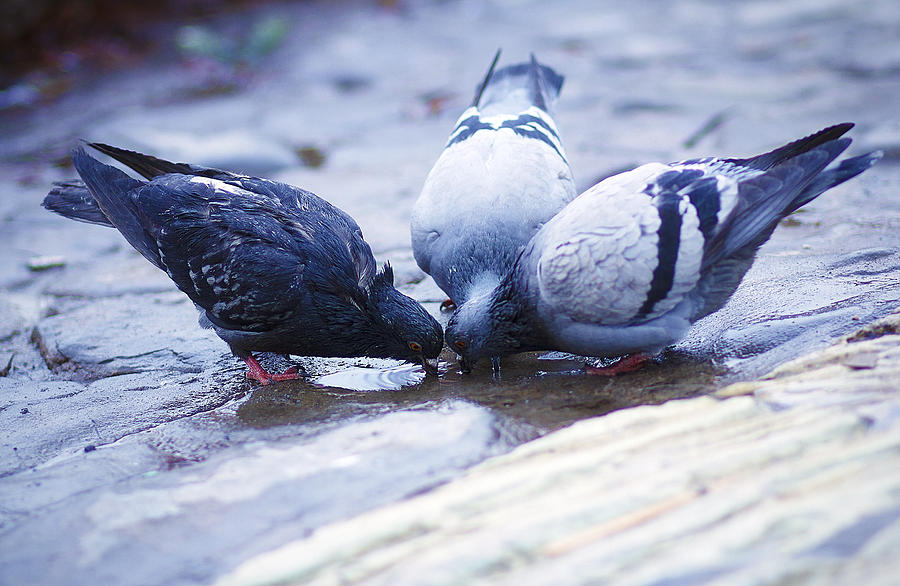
(259, 374)
(626, 364)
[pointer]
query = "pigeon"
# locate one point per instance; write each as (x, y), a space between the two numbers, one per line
(631, 263)
(502, 174)
(270, 267)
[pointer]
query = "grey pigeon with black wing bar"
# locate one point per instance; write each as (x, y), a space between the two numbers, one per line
(629, 265)
(270, 267)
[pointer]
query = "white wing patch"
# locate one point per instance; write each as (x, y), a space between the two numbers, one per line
(599, 253)
(221, 186)
(728, 196)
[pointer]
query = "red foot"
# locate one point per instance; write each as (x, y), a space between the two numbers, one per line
(627, 364)
(448, 306)
(260, 375)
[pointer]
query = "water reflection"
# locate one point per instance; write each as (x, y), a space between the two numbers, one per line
(534, 394)
(387, 378)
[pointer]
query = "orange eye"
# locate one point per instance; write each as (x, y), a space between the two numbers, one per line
(460, 344)
(415, 346)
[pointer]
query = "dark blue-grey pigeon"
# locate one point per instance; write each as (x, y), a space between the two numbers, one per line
(629, 265)
(501, 176)
(270, 267)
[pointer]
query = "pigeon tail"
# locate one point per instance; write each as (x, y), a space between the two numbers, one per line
(766, 161)
(765, 199)
(110, 187)
(149, 167)
(487, 78)
(518, 87)
(847, 169)
(71, 199)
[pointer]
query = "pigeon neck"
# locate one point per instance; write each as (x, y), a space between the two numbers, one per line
(483, 286)
(511, 318)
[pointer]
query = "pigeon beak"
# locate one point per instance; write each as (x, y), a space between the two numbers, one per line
(495, 365)
(465, 365)
(430, 369)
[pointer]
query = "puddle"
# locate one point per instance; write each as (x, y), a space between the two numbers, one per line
(360, 378)
(535, 393)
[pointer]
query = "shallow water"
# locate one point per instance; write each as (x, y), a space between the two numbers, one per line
(358, 378)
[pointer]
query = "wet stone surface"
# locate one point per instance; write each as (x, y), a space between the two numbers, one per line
(132, 431)
(721, 490)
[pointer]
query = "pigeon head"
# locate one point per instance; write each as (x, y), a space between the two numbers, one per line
(412, 334)
(470, 331)
(487, 326)
(496, 323)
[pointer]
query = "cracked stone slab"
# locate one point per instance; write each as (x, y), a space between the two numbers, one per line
(41, 420)
(860, 371)
(130, 333)
(12, 322)
(785, 307)
(103, 277)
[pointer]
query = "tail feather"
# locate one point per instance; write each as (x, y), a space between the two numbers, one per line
(538, 86)
(111, 188)
(519, 86)
(149, 167)
(73, 200)
(765, 199)
(847, 169)
(766, 161)
(487, 78)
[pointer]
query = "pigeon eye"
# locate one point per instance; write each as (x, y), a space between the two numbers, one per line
(460, 344)
(415, 346)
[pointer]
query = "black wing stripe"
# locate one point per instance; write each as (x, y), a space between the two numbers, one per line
(673, 181)
(467, 128)
(706, 199)
(669, 240)
(532, 126)
(527, 125)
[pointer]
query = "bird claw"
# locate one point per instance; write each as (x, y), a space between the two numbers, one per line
(629, 363)
(290, 374)
(259, 374)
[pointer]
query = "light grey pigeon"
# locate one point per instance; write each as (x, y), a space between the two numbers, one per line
(630, 264)
(501, 176)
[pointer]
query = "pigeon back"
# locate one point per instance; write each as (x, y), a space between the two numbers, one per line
(503, 173)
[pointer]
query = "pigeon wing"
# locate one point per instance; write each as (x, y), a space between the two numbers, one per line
(248, 262)
(625, 251)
